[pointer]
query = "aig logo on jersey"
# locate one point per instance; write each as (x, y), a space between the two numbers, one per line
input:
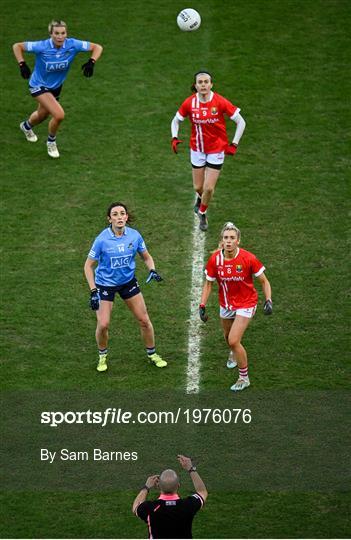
(120, 262)
(56, 66)
(239, 268)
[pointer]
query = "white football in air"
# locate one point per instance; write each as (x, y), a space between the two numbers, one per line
(189, 20)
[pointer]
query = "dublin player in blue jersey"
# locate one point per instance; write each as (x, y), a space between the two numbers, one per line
(110, 269)
(53, 58)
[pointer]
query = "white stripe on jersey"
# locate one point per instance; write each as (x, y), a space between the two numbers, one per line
(198, 496)
(225, 291)
(92, 254)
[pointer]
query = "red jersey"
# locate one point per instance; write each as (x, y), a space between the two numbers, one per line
(208, 131)
(235, 278)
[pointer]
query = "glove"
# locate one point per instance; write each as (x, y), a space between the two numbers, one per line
(174, 142)
(88, 68)
(230, 149)
(94, 301)
(202, 313)
(25, 70)
(153, 275)
(268, 307)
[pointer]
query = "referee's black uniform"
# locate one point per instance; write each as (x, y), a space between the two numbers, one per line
(169, 516)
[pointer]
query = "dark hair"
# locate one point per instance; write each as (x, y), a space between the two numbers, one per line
(193, 87)
(112, 205)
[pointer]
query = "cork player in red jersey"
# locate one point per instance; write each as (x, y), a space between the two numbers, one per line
(206, 111)
(234, 269)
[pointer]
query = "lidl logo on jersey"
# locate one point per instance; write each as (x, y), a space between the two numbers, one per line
(120, 262)
(239, 268)
(56, 66)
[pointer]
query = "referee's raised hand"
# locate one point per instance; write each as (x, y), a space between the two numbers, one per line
(185, 462)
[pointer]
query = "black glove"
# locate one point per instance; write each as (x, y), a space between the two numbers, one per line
(94, 301)
(153, 275)
(268, 307)
(202, 313)
(88, 68)
(25, 70)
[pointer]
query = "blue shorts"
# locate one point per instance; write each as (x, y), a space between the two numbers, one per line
(127, 290)
(38, 90)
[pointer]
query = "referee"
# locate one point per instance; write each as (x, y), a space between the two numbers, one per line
(169, 516)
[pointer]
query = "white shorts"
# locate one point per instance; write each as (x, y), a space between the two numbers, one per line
(225, 313)
(199, 159)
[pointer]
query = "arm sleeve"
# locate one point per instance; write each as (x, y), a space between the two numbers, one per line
(257, 267)
(81, 46)
(210, 270)
(34, 46)
(240, 126)
(142, 510)
(175, 124)
(194, 503)
(95, 251)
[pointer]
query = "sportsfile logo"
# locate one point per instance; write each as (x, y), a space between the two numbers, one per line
(56, 66)
(120, 262)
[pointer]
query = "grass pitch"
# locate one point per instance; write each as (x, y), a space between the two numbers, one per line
(285, 65)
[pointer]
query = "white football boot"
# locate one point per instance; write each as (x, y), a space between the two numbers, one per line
(240, 384)
(52, 149)
(29, 133)
(231, 362)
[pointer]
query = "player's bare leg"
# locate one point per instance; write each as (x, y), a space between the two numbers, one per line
(211, 177)
(54, 109)
(49, 102)
(103, 316)
(235, 335)
(38, 116)
(210, 181)
(198, 182)
(137, 306)
(226, 325)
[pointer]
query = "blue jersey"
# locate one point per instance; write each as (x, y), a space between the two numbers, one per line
(116, 256)
(52, 63)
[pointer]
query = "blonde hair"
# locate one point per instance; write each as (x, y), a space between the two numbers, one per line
(56, 22)
(229, 226)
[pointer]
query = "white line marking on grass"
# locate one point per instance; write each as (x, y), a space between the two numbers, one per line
(194, 336)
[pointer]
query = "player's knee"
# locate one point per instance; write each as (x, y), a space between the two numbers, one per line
(145, 323)
(59, 115)
(233, 342)
(103, 325)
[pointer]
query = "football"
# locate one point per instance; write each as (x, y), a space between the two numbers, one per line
(189, 20)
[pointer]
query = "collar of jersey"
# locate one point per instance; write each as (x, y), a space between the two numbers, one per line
(113, 234)
(171, 497)
(222, 251)
(53, 44)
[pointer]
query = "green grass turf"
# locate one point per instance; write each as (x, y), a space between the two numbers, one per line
(285, 64)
